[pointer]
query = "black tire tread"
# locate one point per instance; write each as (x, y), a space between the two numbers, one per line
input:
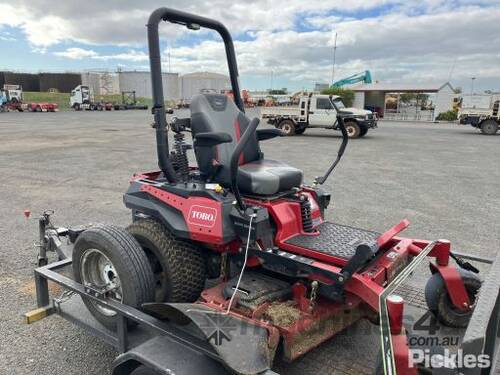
(438, 302)
(132, 261)
(489, 121)
(292, 132)
(185, 262)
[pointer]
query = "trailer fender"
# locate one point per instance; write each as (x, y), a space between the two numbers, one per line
(166, 357)
(244, 346)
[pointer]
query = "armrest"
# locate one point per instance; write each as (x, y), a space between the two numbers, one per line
(263, 134)
(211, 139)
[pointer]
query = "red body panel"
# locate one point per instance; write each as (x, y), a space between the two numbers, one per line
(203, 216)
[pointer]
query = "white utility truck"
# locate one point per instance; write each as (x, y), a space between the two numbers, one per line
(482, 112)
(319, 111)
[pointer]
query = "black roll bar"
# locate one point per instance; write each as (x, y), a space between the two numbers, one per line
(193, 22)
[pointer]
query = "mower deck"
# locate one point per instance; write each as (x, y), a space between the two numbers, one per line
(336, 240)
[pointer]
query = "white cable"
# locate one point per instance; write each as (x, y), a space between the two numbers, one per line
(243, 267)
(239, 278)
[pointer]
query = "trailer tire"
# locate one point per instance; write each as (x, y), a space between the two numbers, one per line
(179, 266)
(110, 256)
(353, 129)
(288, 127)
(439, 302)
(489, 127)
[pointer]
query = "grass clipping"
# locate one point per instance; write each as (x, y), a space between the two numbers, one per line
(283, 314)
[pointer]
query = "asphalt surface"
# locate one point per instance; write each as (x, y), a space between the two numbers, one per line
(444, 178)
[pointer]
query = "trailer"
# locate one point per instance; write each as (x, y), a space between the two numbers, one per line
(151, 344)
(11, 99)
(129, 101)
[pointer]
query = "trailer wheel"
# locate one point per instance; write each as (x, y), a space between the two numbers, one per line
(143, 370)
(353, 129)
(288, 127)
(363, 131)
(439, 302)
(109, 259)
(489, 127)
(179, 266)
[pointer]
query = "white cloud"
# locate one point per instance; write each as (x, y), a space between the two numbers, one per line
(404, 40)
(76, 53)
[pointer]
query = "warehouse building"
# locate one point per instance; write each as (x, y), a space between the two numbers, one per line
(194, 83)
(28, 81)
(384, 98)
(59, 82)
(140, 82)
(101, 83)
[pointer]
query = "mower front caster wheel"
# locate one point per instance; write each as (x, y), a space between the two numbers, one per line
(110, 262)
(179, 266)
(439, 301)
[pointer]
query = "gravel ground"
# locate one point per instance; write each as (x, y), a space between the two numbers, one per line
(443, 177)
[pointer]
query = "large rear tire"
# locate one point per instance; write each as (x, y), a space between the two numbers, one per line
(288, 127)
(353, 129)
(179, 267)
(439, 301)
(108, 257)
(489, 127)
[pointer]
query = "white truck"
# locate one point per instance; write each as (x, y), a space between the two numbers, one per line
(319, 111)
(481, 112)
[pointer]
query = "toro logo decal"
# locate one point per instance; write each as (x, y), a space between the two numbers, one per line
(202, 216)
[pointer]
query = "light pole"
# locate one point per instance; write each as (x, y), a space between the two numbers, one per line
(472, 85)
(334, 56)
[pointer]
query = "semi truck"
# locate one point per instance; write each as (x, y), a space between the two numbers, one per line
(481, 112)
(11, 99)
(319, 111)
(82, 98)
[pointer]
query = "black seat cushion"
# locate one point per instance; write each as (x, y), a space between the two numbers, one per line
(267, 177)
(216, 113)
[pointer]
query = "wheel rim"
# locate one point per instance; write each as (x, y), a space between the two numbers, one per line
(287, 128)
(99, 272)
(489, 128)
(350, 131)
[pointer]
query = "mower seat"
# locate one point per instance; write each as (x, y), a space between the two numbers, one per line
(215, 113)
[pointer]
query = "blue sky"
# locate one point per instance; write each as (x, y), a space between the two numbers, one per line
(288, 40)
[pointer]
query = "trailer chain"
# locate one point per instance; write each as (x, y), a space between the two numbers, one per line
(64, 296)
(313, 296)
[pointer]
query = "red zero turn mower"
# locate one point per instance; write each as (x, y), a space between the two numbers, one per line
(280, 275)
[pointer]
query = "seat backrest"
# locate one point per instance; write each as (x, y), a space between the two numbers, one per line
(217, 113)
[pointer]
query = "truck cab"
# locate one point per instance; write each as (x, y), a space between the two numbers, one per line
(80, 95)
(13, 93)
